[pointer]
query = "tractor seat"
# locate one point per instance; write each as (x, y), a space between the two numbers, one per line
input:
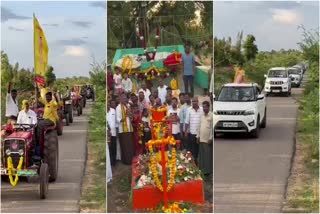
(49, 128)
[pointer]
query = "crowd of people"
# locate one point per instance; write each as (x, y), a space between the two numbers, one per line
(128, 117)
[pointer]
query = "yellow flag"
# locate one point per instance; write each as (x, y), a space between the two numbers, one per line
(40, 52)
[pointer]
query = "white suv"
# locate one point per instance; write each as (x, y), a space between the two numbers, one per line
(296, 75)
(240, 108)
(277, 81)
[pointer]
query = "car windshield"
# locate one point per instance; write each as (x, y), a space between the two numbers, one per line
(236, 94)
(293, 71)
(278, 73)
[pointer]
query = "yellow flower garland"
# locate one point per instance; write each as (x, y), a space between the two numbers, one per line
(11, 169)
(172, 163)
(127, 65)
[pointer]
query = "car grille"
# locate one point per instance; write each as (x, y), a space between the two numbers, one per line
(15, 157)
(276, 82)
(276, 88)
(241, 126)
(230, 112)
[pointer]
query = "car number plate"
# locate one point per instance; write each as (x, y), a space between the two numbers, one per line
(230, 125)
(277, 91)
(3, 171)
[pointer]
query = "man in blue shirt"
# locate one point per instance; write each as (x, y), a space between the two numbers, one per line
(189, 70)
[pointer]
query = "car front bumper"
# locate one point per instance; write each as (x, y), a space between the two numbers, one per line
(276, 88)
(232, 123)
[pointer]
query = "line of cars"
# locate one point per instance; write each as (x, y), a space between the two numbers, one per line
(282, 79)
(241, 107)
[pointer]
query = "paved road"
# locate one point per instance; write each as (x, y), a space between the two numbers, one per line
(251, 174)
(64, 194)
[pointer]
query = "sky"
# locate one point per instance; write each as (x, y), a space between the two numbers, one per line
(274, 24)
(75, 32)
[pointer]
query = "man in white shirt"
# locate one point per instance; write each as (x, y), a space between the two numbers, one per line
(173, 114)
(146, 91)
(11, 104)
(126, 84)
(182, 115)
(192, 125)
(26, 115)
(162, 91)
(112, 127)
(124, 119)
(205, 140)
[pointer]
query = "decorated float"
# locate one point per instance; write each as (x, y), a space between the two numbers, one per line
(165, 174)
(152, 63)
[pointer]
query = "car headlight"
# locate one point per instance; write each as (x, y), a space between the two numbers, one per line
(21, 152)
(267, 81)
(249, 112)
(215, 112)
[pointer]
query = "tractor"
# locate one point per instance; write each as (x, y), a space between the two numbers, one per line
(77, 100)
(67, 109)
(90, 92)
(22, 154)
(83, 92)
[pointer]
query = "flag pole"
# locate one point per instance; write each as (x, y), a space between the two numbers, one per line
(34, 58)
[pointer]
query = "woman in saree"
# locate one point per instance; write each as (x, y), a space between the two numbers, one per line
(137, 129)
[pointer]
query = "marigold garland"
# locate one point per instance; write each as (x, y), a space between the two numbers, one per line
(174, 208)
(127, 65)
(11, 169)
(172, 163)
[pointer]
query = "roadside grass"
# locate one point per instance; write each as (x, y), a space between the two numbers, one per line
(93, 197)
(222, 75)
(303, 188)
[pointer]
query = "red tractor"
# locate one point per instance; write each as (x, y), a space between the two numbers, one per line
(24, 155)
(77, 104)
(59, 123)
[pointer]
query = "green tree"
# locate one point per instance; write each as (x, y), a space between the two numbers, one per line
(176, 19)
(50, 76)
(250, 48)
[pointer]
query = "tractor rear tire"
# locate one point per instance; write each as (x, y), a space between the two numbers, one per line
(51, 154)
(78, 110)
(59, 128)
(70, 113)
(84, 102)
(44, 180)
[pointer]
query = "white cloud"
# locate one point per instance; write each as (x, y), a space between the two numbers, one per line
(284, 16)
(76, 51)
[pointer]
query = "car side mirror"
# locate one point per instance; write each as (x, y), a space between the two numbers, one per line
(260, 97)
(265, 76)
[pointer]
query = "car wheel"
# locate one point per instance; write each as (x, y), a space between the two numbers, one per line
(264, 121)
(256, 132)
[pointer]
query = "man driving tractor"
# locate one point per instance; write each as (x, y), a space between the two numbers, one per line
(50, 115)
(67, 94)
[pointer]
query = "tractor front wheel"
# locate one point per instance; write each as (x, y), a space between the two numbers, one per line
(44, 180)
(51, 154)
